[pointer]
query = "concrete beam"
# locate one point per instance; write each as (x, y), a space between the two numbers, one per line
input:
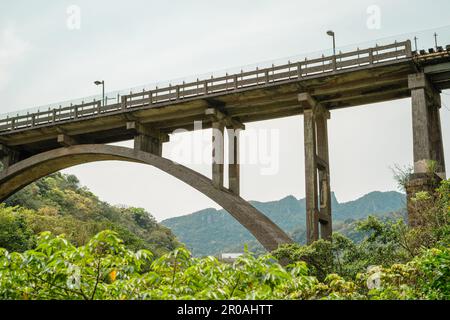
(217, 115)
(308, 102)
(140, 129)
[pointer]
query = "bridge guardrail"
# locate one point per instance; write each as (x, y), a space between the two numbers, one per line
(204, 87)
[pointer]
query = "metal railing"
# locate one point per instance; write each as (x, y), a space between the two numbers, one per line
(215, 85)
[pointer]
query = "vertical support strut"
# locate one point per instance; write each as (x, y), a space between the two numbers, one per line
(233, 160)
(218, 128)
(324, 174)
(317, 171)
(220, 121)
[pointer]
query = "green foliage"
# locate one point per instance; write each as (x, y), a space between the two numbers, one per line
(434, 218)
(402, 175)
(427, 277)
(385, 242)
(105, 269)
(58, 204)
(15, 233)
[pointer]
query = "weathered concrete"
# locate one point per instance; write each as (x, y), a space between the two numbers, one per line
(147, 139)
(427, 139)
(66, 141)
(427, 134)
(23, 173)
(316, 164)
(218, 128)
(419, 182)
(8, 156)
(323, 167)
(233, 160)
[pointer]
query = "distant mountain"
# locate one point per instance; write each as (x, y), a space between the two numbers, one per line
(211, 231)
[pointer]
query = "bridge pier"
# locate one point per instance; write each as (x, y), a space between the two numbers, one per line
(317, 171)
(427, 134)
(427, 139)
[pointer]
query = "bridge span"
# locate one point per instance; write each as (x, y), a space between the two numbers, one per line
(312, 88)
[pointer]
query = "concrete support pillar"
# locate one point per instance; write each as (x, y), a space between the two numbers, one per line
(218, 128)
(317, 172)
(427, 134)
(8, 157)
(147, 139)
(312, 213)
(233, 160)
(220, 121)
(428, 145)
(324, 175)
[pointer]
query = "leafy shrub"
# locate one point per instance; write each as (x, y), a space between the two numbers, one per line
(105, 269)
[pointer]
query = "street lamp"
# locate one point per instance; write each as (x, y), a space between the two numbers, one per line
(332, 34)
(97, 83)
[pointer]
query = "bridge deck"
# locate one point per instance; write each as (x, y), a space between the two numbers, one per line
(349, 79)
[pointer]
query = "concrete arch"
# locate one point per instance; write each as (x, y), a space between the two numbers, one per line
(25, 172)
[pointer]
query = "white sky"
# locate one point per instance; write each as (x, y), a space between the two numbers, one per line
(130, 43)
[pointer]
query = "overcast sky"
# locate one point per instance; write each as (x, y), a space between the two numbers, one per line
(45, 59)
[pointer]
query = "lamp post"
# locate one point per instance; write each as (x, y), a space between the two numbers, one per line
(97, 83)
(332, 34)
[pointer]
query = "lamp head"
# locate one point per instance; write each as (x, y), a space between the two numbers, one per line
(98, 83)
(330, 33)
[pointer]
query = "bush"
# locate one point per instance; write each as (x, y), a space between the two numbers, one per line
(105, 269)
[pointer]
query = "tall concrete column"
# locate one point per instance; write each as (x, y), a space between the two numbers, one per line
(324, 175)
(218, 128)
(233, 160)
(428, 144)
(317, 171)
(427, 134)
(312, 212)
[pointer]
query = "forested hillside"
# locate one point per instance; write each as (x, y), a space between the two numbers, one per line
(60, 205)
(212, 231)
